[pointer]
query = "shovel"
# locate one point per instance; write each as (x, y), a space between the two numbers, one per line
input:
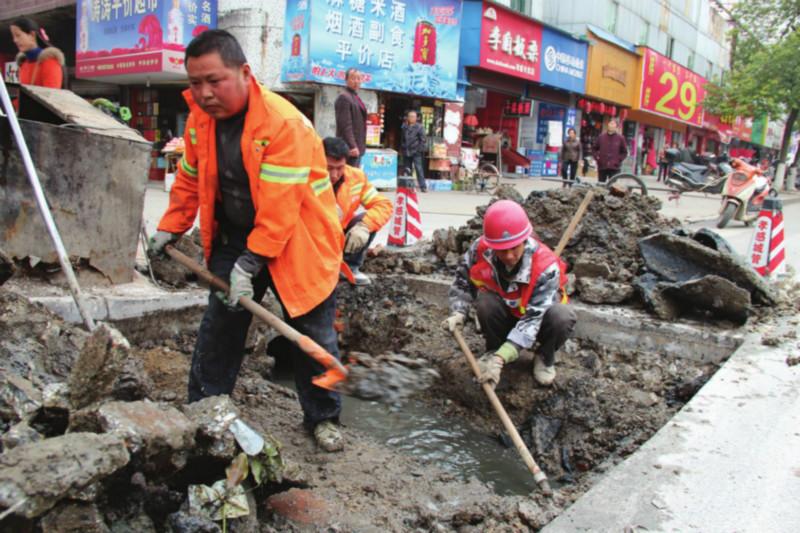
(539, 476)
(335, 372)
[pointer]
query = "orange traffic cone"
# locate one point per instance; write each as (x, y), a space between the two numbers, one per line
(406, 226)
(767, 254)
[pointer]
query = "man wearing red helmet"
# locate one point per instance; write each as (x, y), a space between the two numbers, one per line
(516, 284)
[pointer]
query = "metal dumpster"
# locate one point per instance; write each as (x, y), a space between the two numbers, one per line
(93, 170)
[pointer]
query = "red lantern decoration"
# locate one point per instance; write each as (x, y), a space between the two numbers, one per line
(623, 114)
(582, 103)
(588, 107)
(612, 110)
(471, 120)
(601, 108)
(583, 123)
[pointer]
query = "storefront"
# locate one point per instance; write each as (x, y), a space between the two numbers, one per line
(611, 89)
(140, 47)
(404, 51)
(524, 78)
(669, 109)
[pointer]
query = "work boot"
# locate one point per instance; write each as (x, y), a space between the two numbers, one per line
(360, 277)
(543, 374)
(328, 436)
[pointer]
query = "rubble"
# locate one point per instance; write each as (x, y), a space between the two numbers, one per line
(72, 516)
(19, 435)
(36, 476)
(19, 399)
(173, 274)
(105, 369)
(213, 416)
(600, 291)
(6, 267)
(158, 437)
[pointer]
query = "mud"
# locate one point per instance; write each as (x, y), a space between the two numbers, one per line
(603, 405)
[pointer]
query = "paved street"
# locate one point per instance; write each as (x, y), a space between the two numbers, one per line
(445, 209)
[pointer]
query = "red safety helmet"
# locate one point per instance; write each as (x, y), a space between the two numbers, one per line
(505, 225)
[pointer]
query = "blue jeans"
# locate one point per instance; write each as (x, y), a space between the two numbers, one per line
(417, 162)
(219, 350)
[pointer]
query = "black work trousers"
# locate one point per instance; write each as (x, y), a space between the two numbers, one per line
(219, 350)
(568, 171)
(497, 322)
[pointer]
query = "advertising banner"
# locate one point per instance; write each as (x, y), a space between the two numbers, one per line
(510, 43)
(138, 36)
(564, 61)
(404, 46)
(548, 113)
(670, 89)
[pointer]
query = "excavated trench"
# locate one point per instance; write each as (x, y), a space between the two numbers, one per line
(438, 461)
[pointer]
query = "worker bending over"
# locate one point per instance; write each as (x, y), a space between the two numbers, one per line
(352, 191)
(516, 284)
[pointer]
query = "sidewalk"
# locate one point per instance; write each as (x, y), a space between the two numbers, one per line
(454, 208)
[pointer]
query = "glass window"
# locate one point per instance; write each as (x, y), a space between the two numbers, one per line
(670, 47)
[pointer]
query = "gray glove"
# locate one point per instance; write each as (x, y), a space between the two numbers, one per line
(490, 366)
(159, 241)
(356, 238)
(454, 322)
(241, 281)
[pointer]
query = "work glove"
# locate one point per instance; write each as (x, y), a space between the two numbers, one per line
(159, 240)
(490, 366)
(241, 280)
(454, 322)
(356, 238)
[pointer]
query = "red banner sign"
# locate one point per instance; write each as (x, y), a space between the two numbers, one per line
(671, 90)
(510, 43)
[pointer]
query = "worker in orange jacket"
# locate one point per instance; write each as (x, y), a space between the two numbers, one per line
(255, 170)
(353, 191)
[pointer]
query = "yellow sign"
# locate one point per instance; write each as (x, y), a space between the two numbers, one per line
(612, 73)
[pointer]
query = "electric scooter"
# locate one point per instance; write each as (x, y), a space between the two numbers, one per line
(744, 192)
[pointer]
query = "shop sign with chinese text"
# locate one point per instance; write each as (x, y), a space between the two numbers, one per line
(563, 61)
(130, 37)
(510, 43)
(671, 90)
(403, 46)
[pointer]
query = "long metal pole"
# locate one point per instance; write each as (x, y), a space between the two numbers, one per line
(63, 257)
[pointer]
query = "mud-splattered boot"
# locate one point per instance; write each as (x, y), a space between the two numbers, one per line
(328, 436)
(543, 374)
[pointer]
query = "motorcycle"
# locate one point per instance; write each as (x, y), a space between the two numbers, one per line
(746, 187)
(687, 176)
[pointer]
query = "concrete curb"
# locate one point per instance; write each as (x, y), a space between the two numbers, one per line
(726, 462)
(116, 307)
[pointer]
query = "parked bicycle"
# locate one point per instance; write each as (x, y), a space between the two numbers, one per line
(474, 174)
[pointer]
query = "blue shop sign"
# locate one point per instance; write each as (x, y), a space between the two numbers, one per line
(564, 61)
(404, 46)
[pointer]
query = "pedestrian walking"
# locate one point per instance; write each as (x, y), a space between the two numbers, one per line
(610, 150)
(412, 146)
(351, 118)
(663, 165)
(40, 63)
(571, 154)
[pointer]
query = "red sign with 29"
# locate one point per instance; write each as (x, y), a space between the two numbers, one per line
(671, 90)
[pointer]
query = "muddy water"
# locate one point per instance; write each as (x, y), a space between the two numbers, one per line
(447, 442)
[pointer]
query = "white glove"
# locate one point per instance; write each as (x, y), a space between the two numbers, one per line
(454, 322)
(490, 365)
(159, 240)
(241, 284)
(356, 238)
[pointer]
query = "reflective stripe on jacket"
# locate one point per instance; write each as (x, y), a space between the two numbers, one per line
(296, 224)
(538, 283)
(356, 191)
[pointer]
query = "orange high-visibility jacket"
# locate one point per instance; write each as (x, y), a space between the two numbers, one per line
(296, 224)
(356, 191)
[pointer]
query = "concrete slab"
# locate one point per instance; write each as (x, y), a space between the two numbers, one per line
(727, 461)
(624, 327)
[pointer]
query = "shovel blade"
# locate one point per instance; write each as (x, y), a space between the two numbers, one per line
(330, 379)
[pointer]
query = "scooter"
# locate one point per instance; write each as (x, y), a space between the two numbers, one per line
(687, 176)
(745, 190)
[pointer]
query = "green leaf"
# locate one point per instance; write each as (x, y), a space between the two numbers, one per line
(257, 470)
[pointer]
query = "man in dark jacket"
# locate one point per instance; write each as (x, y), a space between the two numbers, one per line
(610, 151)
(412, 145)
(351, 118)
